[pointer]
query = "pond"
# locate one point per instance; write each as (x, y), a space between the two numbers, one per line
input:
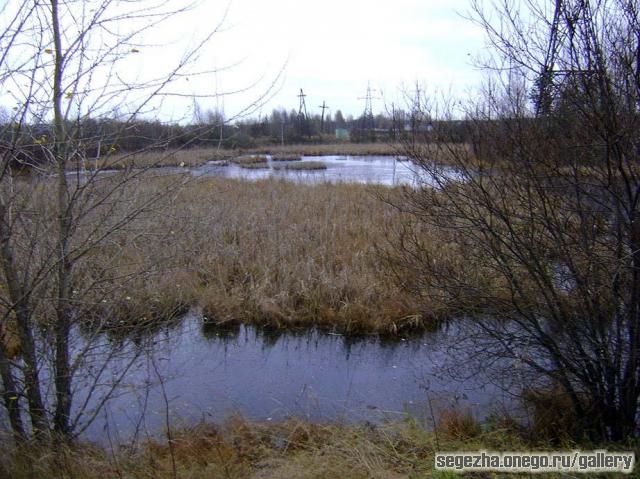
(382, 170)
(211, 374)
(385, 170)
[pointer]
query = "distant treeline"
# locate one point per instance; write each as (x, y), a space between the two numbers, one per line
(93, 137)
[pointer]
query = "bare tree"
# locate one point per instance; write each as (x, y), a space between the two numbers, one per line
(62, 65)
(538, 240)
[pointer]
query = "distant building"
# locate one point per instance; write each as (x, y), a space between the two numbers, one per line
(342, 134)
(418, 126)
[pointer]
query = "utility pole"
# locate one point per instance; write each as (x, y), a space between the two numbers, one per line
(302, 114)
(282, 131)
(416, 112)
(324, 107)
(394, 125)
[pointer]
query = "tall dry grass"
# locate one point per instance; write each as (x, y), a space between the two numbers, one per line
(273, 253)
(187, 157)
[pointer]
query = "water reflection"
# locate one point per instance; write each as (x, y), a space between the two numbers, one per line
(384, 170)
(211, 373)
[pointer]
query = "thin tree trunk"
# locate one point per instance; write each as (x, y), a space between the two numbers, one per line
(10, 396)
(25, 332)
(31, 376)
(63, 320)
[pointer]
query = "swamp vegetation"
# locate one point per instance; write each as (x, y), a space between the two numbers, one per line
(534, 241)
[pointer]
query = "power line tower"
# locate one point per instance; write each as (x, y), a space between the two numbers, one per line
(551, 80)
(416, 109)
(544, 85)
(395, 126)
(303, 118)
(324, 107)
(367, 122)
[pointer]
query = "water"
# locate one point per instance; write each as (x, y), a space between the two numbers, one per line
(211, 375)
(384, 170)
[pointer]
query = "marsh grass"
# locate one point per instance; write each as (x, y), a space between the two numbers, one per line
(283, 255)
(254, 166)
(158, 158)
(249, 160)
(286, 157)
(306, 165)
(240, 449)
(271, 253)
(457, 425)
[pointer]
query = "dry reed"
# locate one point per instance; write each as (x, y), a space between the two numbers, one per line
(305, 165)
(239, 449)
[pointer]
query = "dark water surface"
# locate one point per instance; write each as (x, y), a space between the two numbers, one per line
(211, 375)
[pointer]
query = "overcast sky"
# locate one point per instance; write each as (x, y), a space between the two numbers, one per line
(333, 48)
